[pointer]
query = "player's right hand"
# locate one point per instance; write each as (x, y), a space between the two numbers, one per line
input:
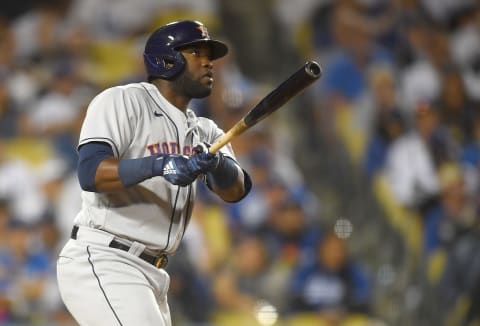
(176, 169)
(203, 160)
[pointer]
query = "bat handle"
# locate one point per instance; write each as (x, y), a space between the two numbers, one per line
(237, 129)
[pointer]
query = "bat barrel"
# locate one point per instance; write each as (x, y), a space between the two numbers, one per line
(292, 86)
(296, 83)
(313, 69)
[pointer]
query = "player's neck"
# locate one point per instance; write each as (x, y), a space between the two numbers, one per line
(177, 100)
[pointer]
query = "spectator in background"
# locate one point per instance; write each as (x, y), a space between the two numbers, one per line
(345, 77)
(19, 184)
(458, 292)
(331, 284)
(252, 212)
(420, 81)
(9, 114)
(277, 177)
(289, 235)
(465, 47)
(443, 12)
(66, 204)
(455, 107)
(389, 126)
(189, 291)
(58, 113)
(350, 38)
(29, 266)
(455, 215)
(249, 277)
(380, 97)
(22, 79)
(28, 241)
(470, 154)
(7, 46)
(5, 263)
(413, 158)
(262, 31)
(379, 116)
(40, 32)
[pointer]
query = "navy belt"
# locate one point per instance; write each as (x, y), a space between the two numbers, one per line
(160, 261)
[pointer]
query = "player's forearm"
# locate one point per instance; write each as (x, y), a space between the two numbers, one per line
(229, 181)
(111, 174)
(100, 171)
(233, 193)
(114, 174)
(107, 178)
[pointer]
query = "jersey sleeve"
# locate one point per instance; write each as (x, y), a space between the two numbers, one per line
(111, 119)
(213, 133)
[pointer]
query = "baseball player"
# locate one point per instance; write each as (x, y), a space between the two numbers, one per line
(141, 152)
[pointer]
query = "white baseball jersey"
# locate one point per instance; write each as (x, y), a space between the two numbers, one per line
(137, 121)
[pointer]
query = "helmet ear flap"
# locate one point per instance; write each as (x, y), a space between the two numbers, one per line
(164, 66)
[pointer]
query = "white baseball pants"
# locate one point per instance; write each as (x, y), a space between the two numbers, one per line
(103, 286)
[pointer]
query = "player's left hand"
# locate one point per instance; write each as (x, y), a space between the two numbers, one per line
(176, 169)
(202, 160)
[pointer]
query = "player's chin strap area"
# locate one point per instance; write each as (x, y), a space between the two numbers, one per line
(105, 238)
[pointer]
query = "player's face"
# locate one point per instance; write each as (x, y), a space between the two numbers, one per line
(197, 79)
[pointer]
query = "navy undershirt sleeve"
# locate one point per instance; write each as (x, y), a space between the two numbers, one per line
(90, 156)
(225, 176)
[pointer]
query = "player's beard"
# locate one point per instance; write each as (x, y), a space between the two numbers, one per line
(190, 87)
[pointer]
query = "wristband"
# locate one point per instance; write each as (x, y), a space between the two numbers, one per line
(133, 171)
(225, 175)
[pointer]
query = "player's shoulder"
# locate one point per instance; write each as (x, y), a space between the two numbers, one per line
(206, 123)
(122, 91)
(209, 130)
(133, 88)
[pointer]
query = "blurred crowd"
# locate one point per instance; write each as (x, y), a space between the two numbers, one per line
(397, 108)
(401, 93)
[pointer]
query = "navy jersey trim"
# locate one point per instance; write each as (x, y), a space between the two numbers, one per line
(101, 287)
(187, 211)
(163, 111)
(100, 139)
(172, 218)
(174, 206)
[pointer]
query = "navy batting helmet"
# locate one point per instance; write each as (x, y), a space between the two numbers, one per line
(162, 56)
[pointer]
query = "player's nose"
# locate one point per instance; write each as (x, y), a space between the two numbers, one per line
(208, 64)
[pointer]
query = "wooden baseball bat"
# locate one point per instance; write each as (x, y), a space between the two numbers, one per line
(288, 89)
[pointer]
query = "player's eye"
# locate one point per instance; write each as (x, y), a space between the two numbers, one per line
(195, 52)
